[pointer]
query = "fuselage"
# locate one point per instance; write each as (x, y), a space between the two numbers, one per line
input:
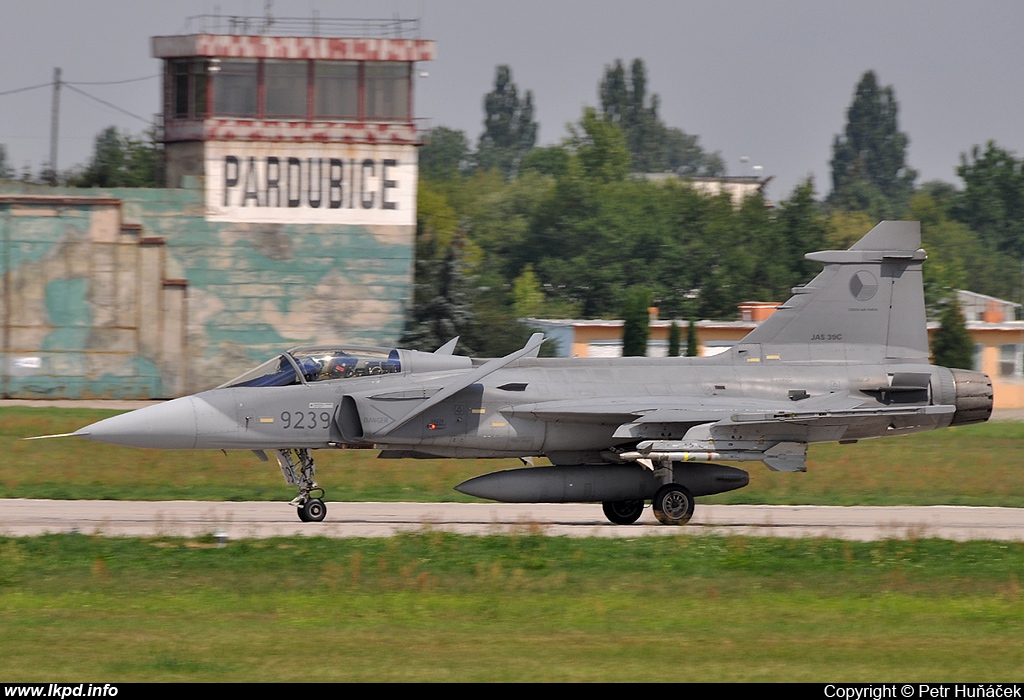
(571, 410)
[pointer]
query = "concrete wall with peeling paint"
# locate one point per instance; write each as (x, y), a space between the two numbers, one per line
(132, 293)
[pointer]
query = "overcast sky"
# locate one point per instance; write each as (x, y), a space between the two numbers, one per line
(766, 79)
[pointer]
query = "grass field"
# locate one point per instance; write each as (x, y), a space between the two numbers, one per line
(440, 607)
(970, 465)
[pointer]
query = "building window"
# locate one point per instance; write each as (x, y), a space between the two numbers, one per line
(336, 84)
(286, 86)
(179, 82)
(188, 88)
(289, 89)
(235, 88)
(387, 90)
(200, 80)
(1011, 360)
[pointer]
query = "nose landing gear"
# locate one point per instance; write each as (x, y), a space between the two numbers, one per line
(309, 502)
(312, 511)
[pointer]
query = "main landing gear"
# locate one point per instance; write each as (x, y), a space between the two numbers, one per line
(672, 505)
(623, 512)
(309, 502)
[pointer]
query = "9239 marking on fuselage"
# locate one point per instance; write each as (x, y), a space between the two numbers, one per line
(305, 420)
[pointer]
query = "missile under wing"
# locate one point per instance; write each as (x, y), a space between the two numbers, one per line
(845, 358)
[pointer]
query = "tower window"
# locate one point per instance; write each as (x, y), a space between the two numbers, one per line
(235, 88)
(188, 80)
(337, 89)
(286, 89)
(387, 90)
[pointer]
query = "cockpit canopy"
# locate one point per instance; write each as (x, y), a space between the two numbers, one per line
(305, 365)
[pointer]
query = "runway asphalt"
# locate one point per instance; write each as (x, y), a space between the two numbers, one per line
(25, 517)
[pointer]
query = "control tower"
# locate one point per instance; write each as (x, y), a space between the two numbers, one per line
(295, 121)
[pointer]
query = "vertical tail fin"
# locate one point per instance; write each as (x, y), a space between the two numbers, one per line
(868, 301)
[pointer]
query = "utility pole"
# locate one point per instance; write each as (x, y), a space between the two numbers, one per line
(54, 121)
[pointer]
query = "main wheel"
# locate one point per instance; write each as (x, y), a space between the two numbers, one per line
(623, 512)
(312, 511)
(673, 505)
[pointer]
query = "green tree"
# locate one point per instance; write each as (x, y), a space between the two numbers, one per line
(958, 258)
(444, 153)
(684, 155)
(674, 339)
(436, 221)
(499, 214)
(600, 147)
(441, 306)
(869, 169)
(692, 346)
(992, 201)
(123, 160)
(636, 322)
(847, 227)
(803, 228)
(732, 253)
(653, 146)
(550, 160)
(943, 193)
(509, 129)
(951, 344)
(624, 103)
(495, 330)
(527, 294)
(946, 242)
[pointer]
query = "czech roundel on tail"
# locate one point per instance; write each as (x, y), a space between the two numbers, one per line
(845, 359)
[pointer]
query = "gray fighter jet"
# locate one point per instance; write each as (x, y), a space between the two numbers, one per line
(845, 359)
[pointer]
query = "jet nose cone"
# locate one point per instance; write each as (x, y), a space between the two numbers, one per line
(165, 426)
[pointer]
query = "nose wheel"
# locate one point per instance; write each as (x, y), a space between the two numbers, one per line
(312, 511)
(298, 469)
